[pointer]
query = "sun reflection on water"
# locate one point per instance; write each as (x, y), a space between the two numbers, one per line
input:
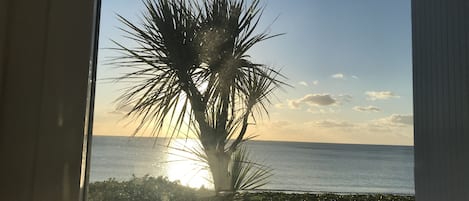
(183, 165)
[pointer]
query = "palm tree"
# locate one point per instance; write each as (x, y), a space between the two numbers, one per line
(192, 70)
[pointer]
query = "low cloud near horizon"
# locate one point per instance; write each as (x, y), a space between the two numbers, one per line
(400, 119)
(387, 123)
(391, 129)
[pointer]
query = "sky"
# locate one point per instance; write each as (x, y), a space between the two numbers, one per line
(349, 64)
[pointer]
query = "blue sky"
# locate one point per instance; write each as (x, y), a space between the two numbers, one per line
(349, 63)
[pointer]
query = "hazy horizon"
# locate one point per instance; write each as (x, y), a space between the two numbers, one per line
(255, 139)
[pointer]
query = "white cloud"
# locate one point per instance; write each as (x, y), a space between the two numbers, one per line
(303, 83)
(355, 77)
(315, 82)
(313, 100)
(338, 76)
(380, 95)
(369, 108)
(333, 124)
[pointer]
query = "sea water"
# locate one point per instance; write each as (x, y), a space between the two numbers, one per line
(296, 166)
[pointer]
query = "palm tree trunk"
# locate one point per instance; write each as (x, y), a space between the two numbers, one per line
(218, 162)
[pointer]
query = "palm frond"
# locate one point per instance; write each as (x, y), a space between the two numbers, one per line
(167, 59)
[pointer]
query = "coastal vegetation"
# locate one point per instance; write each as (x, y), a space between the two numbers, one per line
(190, 71)
(160, 189)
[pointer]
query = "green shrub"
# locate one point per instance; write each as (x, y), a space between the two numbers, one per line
(161, 189)
(143, 189)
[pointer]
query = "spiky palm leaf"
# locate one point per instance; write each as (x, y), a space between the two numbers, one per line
(181, 48)
(167, 59)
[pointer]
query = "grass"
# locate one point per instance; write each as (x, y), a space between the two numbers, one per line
(161, 189)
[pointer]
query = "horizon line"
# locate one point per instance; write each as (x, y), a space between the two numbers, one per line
(264, 140)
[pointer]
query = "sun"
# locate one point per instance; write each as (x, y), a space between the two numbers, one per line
(185, 166)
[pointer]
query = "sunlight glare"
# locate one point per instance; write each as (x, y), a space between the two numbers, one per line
(183, 165)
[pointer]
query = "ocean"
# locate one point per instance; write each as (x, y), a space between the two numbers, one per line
(296, 166)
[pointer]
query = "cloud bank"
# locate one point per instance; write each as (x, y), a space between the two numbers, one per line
(399, 119)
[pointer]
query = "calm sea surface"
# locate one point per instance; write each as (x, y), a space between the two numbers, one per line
(296, 166)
